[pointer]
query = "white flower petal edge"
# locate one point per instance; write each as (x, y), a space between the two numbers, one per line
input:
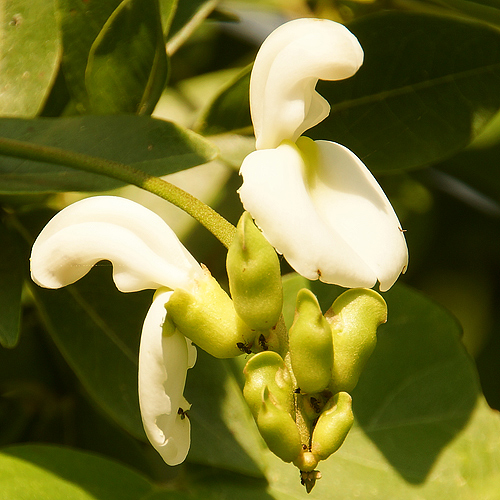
(144, 251)
(163, 362)
(338, 227)
(283, 100)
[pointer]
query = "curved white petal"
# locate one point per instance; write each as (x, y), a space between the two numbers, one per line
(283, 101)
(163, 364)
(337, 226)
(144, 251)
(350, 200)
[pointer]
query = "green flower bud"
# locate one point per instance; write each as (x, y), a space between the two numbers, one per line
(207, 317)
(278, 429)
(254, 276)
(267, 369)
(354, 318)
(332, 426)
(311, 345)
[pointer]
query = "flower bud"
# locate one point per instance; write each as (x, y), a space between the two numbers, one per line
(278, 429)
(332, 426)
(267, 369)
(207, 317)
(311, 345)
(354, 318)
(254, 276)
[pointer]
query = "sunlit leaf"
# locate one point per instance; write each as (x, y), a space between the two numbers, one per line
(30, 52)
(57, 473)
(154, 146)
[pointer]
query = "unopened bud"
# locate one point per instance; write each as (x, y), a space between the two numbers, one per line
(254, 276)
(332, 426)
(267, 369)
(354, 318)
(278, 429)
(311, 345)
(207, 317)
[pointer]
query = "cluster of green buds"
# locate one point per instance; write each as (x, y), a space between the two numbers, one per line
(297, 382)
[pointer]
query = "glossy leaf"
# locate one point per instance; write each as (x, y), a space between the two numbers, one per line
(427, 87)
(99, 342)
(154, 146)
(12, 266)
(43, 471)
(30, 53)
(127, 65)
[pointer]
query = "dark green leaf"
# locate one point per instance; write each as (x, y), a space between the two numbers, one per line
(154, 146)
(81, 22)
(127, 66)
(427, 87)
(99, 342)
(50, 472)
(30, 52)
(12, 265)
(230, 110)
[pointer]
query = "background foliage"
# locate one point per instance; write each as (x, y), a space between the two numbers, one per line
(163, 85)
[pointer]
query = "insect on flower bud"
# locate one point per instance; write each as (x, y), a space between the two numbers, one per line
(207, 317)
(278, 429)
(332, 426)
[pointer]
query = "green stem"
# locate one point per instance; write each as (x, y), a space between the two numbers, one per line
(213, 221)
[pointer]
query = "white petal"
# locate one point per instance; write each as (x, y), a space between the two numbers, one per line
(283, 101)
(332, 227)
(144, 251)
(163, 364)
(349, 198)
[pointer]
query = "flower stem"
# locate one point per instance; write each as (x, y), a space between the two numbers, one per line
(205, 215)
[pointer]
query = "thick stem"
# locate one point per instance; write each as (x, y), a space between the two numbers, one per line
(205, 215)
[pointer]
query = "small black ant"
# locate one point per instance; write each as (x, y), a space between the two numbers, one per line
(182, 413)
(246, 348)
(263, 342)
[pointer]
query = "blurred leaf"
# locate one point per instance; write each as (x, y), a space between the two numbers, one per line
(99, 342)
(427, 87)
(423, 429)
(188, 11)
(167, 13)
(127, 66)
(12, 264)
(30, 51)
(189, 15)
(80, 22)
(154, 146)
(56, 473)
(230, 110)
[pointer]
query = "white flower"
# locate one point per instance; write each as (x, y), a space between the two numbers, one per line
(315, 202)
(145, 253)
